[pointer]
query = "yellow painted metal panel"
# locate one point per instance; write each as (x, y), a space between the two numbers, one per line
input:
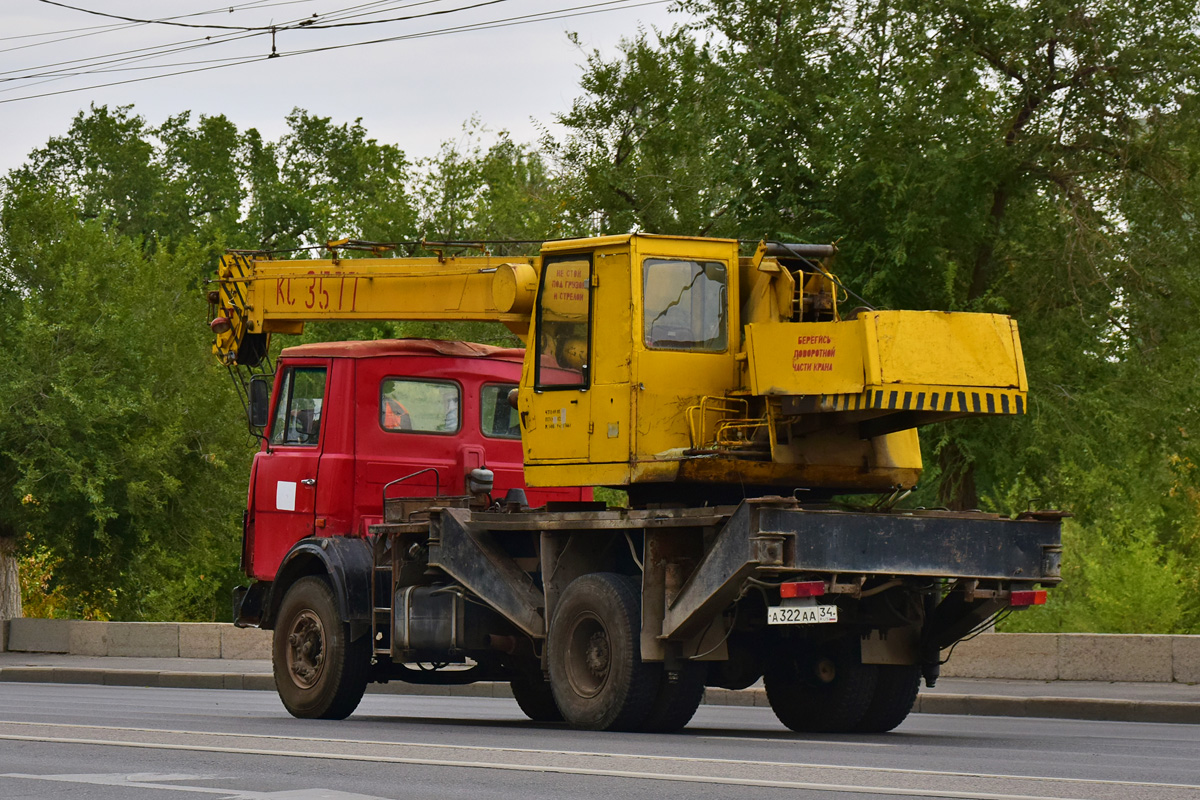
(1023, 384)
(576, 474)
(554, 425)
(805, 357)
(612, 421)
(947, 349)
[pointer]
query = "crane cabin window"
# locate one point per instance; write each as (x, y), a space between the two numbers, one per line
(686, 304)
(564, 312)
(418, 406)
(298, 408)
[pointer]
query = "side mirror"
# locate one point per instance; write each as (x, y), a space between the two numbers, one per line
(260, 401)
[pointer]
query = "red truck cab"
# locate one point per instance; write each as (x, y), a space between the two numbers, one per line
(349, 418)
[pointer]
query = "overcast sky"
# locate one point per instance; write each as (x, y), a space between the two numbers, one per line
(415, 92)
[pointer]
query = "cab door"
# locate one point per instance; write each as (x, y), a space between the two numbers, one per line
(286, 470)
(555, 404)
(686, 343)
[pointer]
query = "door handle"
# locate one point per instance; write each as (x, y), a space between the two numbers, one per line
(309, 481)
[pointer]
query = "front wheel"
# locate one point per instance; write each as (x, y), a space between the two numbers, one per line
(319, 672)
(596, 670)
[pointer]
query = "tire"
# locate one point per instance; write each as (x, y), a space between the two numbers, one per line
(536, 699)
(895, 693)
(676, 701)
(821, 688)
(319, 672)
(594, 650)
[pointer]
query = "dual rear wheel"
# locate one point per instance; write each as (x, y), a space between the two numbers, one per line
(597, 676)
(825, 688)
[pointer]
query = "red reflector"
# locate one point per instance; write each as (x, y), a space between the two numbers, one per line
(220, 325)
(802, 589)
(1028, 597)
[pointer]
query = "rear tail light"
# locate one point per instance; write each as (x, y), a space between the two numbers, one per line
(803, 589)
(1027, 597)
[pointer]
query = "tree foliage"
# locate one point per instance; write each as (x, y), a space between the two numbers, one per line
(1036, 159)
(1039, 159)
(114, 458)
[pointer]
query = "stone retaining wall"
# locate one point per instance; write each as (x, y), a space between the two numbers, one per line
(1077, 657)
(1017, 656)
(138, 639)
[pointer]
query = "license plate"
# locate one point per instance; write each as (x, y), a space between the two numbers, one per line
(800, 615)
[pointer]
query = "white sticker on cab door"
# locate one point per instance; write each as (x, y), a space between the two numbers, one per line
(285, 496)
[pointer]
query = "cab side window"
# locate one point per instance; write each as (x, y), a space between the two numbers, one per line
(498, 419)
(685, 304)
(408, 405)
(298, 408)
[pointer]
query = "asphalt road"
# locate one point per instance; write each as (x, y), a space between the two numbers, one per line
(116, 743)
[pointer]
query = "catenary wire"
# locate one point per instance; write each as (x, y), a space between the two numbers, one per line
(240, 33)
(306, 23)
(545, 16)
(96, 30)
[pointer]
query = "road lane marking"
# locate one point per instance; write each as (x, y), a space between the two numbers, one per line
(153, 781)
(427, 745)
(595, 754)
(783, 738)
(543, 768)
(127, 782)
(592, 772)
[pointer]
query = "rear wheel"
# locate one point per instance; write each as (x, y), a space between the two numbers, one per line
(821, 687)
(596, 670)
(679, 695)
(536, 699)
(896, 689)
(319, 672)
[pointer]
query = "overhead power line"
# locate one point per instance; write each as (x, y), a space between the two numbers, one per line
(525, 19)
(308, 23)
(97, 30)
(233, 35)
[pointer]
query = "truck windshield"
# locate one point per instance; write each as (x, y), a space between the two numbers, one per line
(298, 407)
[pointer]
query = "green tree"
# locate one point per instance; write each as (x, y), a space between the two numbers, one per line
(653, 141)
(322, 182)
(1036, 159)
(116, 445)
(473, 191)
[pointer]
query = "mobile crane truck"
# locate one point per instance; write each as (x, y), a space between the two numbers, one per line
(422, 511)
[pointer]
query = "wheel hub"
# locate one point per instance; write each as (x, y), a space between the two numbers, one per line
(597, 654)
(306, 649)
(589, 657)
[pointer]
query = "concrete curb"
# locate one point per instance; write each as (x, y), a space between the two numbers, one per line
(999, 656)
(1085, 708)
(1090, 708)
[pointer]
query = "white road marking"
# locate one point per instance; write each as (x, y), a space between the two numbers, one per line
(596, 754)
(783, 738)
(153, 781)
(605, 773)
